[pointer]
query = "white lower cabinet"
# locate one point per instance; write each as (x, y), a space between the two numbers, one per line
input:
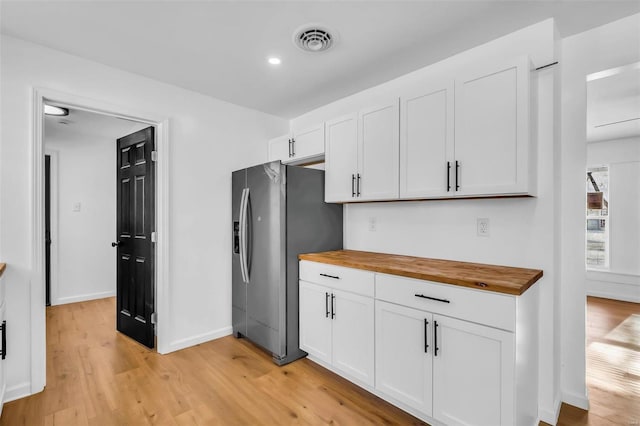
(404, 360)
(336, 327)
(447, 354)
(473, 373)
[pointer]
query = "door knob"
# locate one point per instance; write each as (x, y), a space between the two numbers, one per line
(115, 244)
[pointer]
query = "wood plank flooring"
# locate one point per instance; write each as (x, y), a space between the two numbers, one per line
(613, 366)
(96, 376)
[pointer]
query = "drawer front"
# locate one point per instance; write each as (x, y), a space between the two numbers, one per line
(346, 279)
(495, 310)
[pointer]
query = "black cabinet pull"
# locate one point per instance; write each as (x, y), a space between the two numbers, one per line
(335, 277)
(326, 304)
(293, 147)
(457, 168)
(435, 338)
(448, 176)
(432, 298)
(333, 306)
(353, 185)
(4, 339)
(358, 184)
(426, 343)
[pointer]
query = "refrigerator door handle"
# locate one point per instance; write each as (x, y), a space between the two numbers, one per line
(243, 235)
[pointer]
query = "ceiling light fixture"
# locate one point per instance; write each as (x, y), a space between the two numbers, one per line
(274, 61)
(55, 110)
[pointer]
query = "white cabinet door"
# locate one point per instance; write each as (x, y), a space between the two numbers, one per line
(3, 373)
(279, 149)
(379, 152)
(308, 143)
(315, 320)
(404, 351)
(353, 334)
(473, 374)
(341, 159)
(492, 129)
(426, 141)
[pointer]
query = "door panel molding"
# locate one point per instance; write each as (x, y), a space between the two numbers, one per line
(36, 192)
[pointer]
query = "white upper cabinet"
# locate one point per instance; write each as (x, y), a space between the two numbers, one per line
(302, 147)
(492, 146)
(341, 159)
(426, 141)
(361, 162)
(378, 152)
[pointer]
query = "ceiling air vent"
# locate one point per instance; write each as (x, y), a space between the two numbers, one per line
(313, 38)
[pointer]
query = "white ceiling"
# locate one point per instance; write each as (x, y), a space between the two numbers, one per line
(613, 103)
(219, 48)
(93, 126)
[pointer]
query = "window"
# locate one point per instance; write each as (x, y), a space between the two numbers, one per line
(597, 226)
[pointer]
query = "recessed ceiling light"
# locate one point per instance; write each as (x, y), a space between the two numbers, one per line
(54, 110)
(274, 61)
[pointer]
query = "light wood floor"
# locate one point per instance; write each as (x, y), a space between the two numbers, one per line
(96, 376)
(613, 366)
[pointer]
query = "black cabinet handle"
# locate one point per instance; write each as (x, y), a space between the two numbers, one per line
(448, 176)
(435, 338)
(115, 244)
(4, 339)
(326, 304)
(335, 277)
(426, 343)
(333, 306)
(293, 147)
(353, 185)
(457, 168)
(432, 298)
(358, 184)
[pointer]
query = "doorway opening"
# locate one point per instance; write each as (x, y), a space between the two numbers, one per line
(39, 240)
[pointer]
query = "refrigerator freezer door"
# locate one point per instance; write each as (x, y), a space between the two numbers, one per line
(239, 288)
(266, 260)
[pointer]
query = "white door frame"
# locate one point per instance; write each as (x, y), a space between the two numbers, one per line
(36, 187)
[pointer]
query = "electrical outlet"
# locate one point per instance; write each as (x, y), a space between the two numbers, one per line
(76, 207)
(483, 227)
(373, 224)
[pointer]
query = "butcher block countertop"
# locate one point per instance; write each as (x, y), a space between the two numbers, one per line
(500, 279)
(3, 266)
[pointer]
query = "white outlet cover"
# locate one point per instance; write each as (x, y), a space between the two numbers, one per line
(76, 207)
(372, 224)
(483, 226)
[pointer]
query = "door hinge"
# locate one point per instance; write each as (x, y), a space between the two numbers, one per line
(154, 155)
(154, 318)
(154, 238)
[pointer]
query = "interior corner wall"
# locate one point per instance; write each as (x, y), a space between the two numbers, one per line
(207, 140)
(83, 217)
(605, 47)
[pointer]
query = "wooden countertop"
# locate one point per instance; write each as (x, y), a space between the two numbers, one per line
(500, 279)
(3, 266)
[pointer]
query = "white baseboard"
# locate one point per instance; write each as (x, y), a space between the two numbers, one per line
(176, 345)
(82, 297)
(635, 298)
(580, 401)
(550, 416)
(18, 391)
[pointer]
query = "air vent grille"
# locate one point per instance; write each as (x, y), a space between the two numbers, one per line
(313, 39)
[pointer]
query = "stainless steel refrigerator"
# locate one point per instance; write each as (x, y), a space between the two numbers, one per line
(278, 212)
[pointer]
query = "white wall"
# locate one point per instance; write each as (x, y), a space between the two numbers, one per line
(208, 139)
(522, 229)
(622, 280)
(83, 261)
(608, 46)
